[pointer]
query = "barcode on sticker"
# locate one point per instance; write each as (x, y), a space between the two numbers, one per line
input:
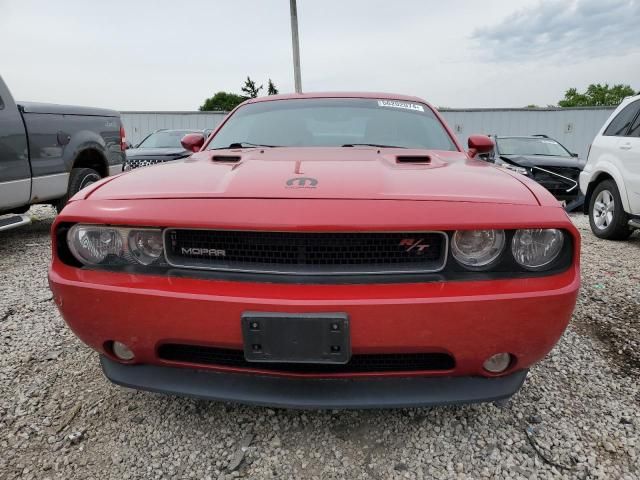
(398, 104)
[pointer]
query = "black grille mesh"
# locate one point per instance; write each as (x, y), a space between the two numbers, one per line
(571, 175)
(558, 186)
(143, 162)
(307, 252)
(395, 362)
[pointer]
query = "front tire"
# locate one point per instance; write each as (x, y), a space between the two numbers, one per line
(79, 179)
(607, 218)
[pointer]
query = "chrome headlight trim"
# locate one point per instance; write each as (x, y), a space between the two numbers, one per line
(83, 241)
(484, 258)
(529, 238)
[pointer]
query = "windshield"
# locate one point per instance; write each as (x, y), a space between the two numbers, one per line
(334, 122)
(531, 146)
(167, 139)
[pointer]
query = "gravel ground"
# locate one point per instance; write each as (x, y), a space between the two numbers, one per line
(577, 416)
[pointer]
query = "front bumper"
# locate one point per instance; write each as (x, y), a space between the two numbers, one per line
(469, 320)
(584, 180)
(560, 186)
(310, 393)
(115, 169)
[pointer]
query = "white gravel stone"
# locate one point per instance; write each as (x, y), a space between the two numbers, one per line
(580, 403)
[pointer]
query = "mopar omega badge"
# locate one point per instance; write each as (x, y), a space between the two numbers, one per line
(302, 182)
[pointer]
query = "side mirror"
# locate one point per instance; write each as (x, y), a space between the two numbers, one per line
(128, 145)
(192, 142)
(479, 144)
(574, 155)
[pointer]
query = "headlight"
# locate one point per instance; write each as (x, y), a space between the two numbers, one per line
(536, 248)
(111, 246)
(514, 168)
(92, 245)
(145, 245)
(477, 249)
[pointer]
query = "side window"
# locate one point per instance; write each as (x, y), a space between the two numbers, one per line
(635, 128)
(1, 104)
(619, 125)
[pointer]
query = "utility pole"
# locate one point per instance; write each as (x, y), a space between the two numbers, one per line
(296, 46)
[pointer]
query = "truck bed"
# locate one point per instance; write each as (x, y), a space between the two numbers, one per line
(52, 108)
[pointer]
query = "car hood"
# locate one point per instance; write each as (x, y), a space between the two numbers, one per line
(545, 161)
(322, 173)
(173, 152)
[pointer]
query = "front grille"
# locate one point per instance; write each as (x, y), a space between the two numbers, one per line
(143, 162)
(557, 179)
(392, 362)
(307, 253)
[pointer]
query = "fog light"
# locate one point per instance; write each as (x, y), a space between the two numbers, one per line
(121, 351)
(497, 363)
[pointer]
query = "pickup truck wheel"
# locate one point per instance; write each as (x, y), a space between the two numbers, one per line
(79, 179)
(607, 218)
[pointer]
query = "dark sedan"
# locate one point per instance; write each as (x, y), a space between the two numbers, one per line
(158, 147)
(544, 160)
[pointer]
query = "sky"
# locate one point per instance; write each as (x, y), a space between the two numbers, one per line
(168, 55)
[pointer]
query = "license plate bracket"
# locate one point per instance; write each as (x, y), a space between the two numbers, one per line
(296, 337)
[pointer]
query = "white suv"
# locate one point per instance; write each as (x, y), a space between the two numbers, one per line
(610, 180)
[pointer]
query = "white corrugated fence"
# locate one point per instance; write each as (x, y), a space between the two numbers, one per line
(140, 124)
(573, 127)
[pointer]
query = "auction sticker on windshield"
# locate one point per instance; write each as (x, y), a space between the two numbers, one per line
(397, 104)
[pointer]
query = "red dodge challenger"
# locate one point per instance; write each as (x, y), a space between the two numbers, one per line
(333, 250)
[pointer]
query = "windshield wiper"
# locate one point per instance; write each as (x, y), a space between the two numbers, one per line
(370, 145)
(545, 155)
(531, 155)
(245, 145)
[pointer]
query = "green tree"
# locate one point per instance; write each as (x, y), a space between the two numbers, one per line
(596, 95)
(226, 101)
(271, 88)
(222, 102)
(250, 88)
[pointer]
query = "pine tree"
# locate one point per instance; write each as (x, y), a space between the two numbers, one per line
(271, 88)
(250, 88)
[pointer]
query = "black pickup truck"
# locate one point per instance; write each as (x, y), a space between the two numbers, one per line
(50, 152)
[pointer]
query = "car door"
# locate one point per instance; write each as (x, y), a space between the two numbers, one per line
(15, 173)
(622, 151)
(629, 147)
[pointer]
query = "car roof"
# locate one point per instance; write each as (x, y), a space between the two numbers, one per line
(377, 95)
(629, 100)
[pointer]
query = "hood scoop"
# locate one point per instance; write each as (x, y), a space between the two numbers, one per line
(226, 158)
(414, 159)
